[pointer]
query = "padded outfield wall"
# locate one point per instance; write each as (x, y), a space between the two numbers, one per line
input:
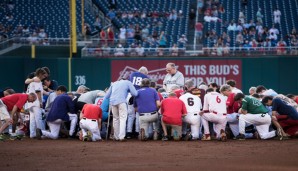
(279, 73)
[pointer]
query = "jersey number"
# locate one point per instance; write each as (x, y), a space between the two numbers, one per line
(137, 80)
(218, 100)
(190, 101)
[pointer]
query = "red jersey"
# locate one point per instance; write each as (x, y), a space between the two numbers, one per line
(179, 92)
(92, 111)
(17, 99)
(232, 106)
(199, 27)
(172, 110)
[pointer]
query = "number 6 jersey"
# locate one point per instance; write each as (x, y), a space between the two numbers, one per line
(192, 102)
(215, 102)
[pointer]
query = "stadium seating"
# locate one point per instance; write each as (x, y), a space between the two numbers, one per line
(52, 15)
(288, 10)
(173, 29)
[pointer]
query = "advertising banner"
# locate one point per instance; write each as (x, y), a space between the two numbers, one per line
(208, 71)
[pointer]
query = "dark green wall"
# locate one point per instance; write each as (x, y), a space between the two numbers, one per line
(278, 73)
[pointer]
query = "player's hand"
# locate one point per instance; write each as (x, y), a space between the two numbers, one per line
(36, 79)
(201, 113)
(274, 118)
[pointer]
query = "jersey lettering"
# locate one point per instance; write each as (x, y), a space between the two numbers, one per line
(137, 81)
(218, 100)
(190, 101)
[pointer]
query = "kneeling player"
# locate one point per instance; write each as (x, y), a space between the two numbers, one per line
(91, 121)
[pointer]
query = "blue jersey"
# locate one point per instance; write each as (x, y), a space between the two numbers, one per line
(146, 99)
(284, 109)
(136, 79)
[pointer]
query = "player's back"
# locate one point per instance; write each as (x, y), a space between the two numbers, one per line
(215, 102)
(192, 102)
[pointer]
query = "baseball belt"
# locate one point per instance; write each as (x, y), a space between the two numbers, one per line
(94, 120)
(149, 113)
(207, 111)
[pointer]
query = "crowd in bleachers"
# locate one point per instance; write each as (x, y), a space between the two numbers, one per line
(245, 31)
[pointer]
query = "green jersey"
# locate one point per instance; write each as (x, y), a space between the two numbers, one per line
(253, 105)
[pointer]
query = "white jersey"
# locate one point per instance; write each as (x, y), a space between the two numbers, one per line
(236, 90)
(34, 87)
(277, 14)
(171, 80)
(192, 102)
(215, 102)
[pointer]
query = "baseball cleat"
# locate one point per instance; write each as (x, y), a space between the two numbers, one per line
(165, 138)
(206, 137)
(187, 137)
(223, 136)
(38, 133)
(142, 135)
(279, 134)
(240, 137)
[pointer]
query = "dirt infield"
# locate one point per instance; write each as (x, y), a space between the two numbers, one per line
(65, 154)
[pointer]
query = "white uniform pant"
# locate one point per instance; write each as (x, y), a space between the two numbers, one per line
(119, 120)
(92, 126)
(194, 120)
(35, 120)
(132, 118)
(146, 120)
(234, 125)
(219, 120)
(54, 129)
(261, 121)
(276, 20)
(73, 122)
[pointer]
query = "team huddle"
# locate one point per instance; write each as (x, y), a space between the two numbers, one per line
(136, 108)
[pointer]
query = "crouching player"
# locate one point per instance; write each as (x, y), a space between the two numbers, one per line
(91, 121)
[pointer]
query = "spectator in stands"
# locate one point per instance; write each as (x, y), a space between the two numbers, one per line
(192, 18)
(239, 27)
(119, 50)
(103, 36)
(239, 39)
(143, 14)
(182, 41)
(111, 14)
(132, 50)
(97, 23)
(200, 5)
(140, 50)
(145, 32)
(226, 49)
(276, 15)
(214, 11)
(273, 38)
(209, 18)
(130, 15)
(253, 43)
(180, 14)
(293, 33)
(273, 30)
(294, 43)
(111, 36)
(221, 9)
(162, 40)
(199, 30)
(246, 45)
(124, 15)
(138, 30)
(260, 16)
(259, 28)
(130, 34)
(174, 50)
(33, 39)
(267, 43)
(281, 47)
(173, 15)
(232, 26)
(122, 35)
(241, 17)
(113, 4)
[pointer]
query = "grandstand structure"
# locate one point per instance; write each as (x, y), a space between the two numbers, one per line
(53, 17)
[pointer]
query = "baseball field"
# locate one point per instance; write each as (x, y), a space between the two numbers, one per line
(63, 154)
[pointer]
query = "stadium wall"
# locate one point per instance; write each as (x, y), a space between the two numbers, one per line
(279, 73)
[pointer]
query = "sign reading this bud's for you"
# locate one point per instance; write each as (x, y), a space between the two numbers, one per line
(208, 71)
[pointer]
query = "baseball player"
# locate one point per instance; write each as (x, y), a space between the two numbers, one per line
(172, 110)
(253, 112)
(11, 106)
(133, 117)
(232, 110)
(90, 116)
(215, 111)
(193, 106)
(36, 120)
(173, 77)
